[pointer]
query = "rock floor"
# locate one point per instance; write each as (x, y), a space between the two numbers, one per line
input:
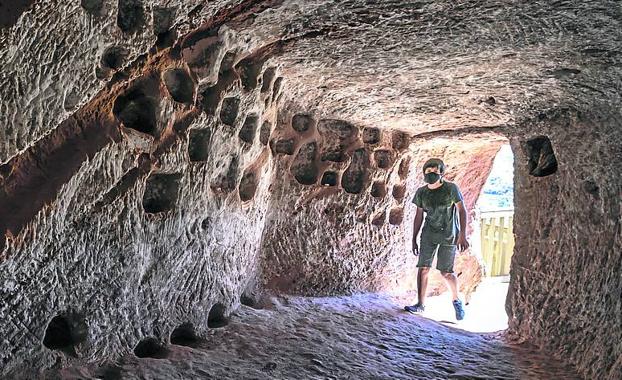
(485, 313)
(364, 336)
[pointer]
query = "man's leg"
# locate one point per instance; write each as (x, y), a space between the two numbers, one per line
(426, 256)
(422, 284)
(445, 263)
(452, 282)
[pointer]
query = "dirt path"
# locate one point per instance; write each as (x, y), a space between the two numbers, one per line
(358, 337)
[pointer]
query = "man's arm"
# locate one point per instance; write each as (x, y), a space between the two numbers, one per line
(416, 227)
(463, 244)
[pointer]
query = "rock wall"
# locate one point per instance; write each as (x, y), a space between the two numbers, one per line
(142, 211)
(565, 289)
(336, 215)
(57, 56)
(174, 191)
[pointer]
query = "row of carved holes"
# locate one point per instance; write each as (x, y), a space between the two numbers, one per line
(64, 332)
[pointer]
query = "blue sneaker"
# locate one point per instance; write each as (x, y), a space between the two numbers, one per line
(459, 309)
(418, 308)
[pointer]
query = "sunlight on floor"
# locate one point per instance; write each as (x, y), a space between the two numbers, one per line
(485, 312)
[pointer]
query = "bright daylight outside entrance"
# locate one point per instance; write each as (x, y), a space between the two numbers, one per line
(493, 243)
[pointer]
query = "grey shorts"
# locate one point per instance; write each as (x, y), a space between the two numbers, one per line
(446, 255)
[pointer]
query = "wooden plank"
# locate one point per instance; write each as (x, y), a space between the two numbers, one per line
(491, 244)
(510, 243)
(495, 247)
(500, 251)
(503, 246)
(486, 246)
(497, 242)
(484, 240)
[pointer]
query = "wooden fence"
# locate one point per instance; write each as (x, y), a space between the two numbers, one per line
(497, 241)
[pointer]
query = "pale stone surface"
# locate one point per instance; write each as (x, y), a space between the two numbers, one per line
(485, 311)
(50, 59)
(139, 238)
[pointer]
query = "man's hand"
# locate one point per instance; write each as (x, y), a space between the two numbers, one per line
(462, 243)
(415, 247)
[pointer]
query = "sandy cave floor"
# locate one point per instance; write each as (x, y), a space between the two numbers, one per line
(364, 336)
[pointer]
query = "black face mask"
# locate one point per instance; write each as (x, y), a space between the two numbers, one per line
(431, 177)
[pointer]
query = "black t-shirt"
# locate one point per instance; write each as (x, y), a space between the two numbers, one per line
(441, 220)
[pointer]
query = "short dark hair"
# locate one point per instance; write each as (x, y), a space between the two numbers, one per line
(434, 163)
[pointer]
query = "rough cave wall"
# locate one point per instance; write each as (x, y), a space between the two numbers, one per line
(56, 56)
(341, 216)
(566, 288)
(142, 210)
(328, 231)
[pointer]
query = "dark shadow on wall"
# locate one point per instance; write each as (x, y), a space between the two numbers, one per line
(64, 332)
(11, 10)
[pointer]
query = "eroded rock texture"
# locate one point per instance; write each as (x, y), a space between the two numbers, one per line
(566, 284)
(128, 228)
(164, 161)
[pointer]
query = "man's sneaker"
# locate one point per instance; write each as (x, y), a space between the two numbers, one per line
(459, 309)
(418, 308)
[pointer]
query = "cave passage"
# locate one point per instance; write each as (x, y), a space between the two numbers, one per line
(225, 189)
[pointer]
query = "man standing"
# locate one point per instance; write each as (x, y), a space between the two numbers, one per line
(443, 230)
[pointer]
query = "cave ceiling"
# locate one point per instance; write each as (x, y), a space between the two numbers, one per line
(422, 66)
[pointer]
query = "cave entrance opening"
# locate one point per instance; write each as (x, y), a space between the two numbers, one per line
(495, 208)
(492, 242)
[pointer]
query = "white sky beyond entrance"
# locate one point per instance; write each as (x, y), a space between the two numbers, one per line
(498, 191)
